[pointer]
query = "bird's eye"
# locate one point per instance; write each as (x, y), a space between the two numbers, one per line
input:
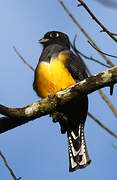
(57, 34)
(53, 35)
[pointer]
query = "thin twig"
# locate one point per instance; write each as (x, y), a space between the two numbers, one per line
(93, 59)
(86, 57)
(8, 167)
(101, 51)
(103, 126)
(114, 34)
(20, 56)
(96, 20)
(85, 33)
(105, 98)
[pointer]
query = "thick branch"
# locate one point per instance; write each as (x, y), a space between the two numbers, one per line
(51, 103)
(105, 98)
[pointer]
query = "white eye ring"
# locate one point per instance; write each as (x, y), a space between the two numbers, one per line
(57, 34)
(54, 35)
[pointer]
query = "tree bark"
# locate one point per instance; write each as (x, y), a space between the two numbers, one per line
(18, 116)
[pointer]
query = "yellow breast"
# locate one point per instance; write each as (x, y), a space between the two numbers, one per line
(52, 77)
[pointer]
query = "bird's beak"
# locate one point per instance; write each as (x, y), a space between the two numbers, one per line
(43, 40)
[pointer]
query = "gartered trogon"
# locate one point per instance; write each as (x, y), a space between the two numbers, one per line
(59, 68)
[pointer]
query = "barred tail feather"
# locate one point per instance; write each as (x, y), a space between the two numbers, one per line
(78, 154)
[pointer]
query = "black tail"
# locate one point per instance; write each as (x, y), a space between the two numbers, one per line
(78, 154)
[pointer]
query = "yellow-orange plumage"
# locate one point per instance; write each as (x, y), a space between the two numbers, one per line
(53, 76)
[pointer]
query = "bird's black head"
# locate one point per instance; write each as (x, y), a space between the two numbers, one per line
(55, 37)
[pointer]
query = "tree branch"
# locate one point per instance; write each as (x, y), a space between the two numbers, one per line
(105, 98)
(113, 56)
(96, 20)
(85, 33)
(108, 102)
(114, 34)
(21, 57)
(8, 167)
(50, 104)
(86, 57)
(100, 124)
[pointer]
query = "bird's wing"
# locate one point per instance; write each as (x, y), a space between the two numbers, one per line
(76, 67)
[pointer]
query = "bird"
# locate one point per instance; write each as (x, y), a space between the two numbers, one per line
(57, 69)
